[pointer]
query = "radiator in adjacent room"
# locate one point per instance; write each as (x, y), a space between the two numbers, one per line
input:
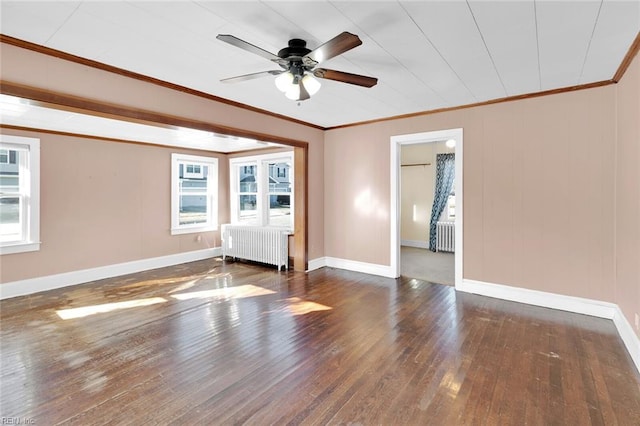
(445, 236)
(259, 244)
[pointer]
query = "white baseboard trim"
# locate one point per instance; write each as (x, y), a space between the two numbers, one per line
(561, 302)
(578, 305)
(50, 282)
(415, 243)
(354, 265)
(628, 336)
(318, 263)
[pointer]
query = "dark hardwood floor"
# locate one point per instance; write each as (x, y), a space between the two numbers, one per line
(215, 343)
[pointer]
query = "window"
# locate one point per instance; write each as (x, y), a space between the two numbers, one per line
(279, 195)
(194, 188)
(247, 195)
(193, 171)
(19, 194)
(261, 190)
(451, 207)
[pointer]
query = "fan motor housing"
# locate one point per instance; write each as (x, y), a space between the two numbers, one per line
(296, 49)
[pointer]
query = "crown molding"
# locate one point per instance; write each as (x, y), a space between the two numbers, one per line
(628, 58)
(478, 104)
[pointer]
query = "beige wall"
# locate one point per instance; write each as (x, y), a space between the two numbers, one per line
(627, 207)
(33, 69)
(417, 189)
(104, 203)
(538, 191)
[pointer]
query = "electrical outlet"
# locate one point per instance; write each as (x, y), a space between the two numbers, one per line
(637, 321)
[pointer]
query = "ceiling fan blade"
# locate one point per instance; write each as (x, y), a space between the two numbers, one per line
(334, 47)
(235, 41)
(251, 76)
(345, 77)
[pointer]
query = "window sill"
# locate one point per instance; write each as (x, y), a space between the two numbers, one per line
(180, 231)
(13, 248)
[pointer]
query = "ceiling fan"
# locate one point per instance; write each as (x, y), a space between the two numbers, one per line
(298, 65)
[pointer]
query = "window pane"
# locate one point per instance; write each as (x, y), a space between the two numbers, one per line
(248, 187)
(10, 204)
(451, 207)
(280, 210)
(193, 185)
(10, 226)
(248, 209)
(280, 177)
(247, 179)
(193, 198)
(9, 172)
(193, 209)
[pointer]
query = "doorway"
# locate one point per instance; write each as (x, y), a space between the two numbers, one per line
(397, 143)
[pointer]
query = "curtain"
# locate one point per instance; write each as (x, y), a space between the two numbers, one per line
(445, 174)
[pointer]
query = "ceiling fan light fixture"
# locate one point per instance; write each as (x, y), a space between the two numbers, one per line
(293, 92)
(284, 81)
(311, 84)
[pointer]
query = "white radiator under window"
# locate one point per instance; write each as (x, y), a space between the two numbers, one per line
(256, 243)
(445, 236)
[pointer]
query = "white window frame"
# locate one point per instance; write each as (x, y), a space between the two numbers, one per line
(211, 194)
(29, 192)
(262, 177)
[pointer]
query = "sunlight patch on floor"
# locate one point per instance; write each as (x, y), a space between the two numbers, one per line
(239, 292)
(188, 280)
(298, 306)
(66, 314)
(192, 283)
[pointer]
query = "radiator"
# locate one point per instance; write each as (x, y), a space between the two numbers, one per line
(256, 243)
(445, 236)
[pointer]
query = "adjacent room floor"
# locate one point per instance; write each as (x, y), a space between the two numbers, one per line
(230, 343)
(435, 267)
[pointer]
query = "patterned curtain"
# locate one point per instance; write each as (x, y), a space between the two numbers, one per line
(445, 174)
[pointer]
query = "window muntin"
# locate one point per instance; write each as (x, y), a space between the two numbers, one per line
(19, 194)
(194, 203)
(261, 190)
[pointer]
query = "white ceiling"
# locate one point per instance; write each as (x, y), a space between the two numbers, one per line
(23, 113)
(425, 54)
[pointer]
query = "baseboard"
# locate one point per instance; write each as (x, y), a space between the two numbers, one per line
(50, 282)
(415, 243)
(318, 263)
(628, 336)
(561, 302)
(354, 265)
